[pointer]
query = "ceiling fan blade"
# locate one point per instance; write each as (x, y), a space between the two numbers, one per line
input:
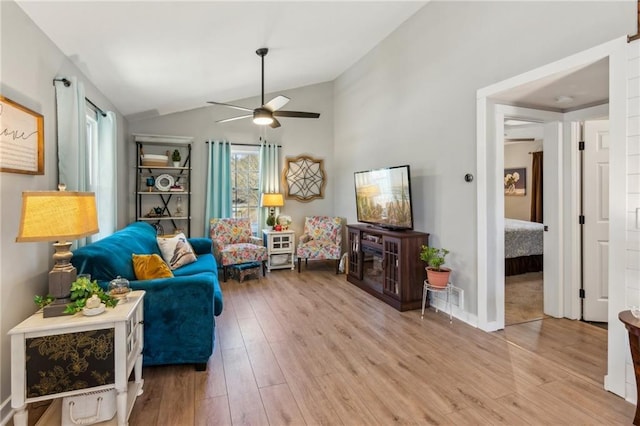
(275, 124)
(230, 106)
(276, 103)
(297, 114)
(226, 120)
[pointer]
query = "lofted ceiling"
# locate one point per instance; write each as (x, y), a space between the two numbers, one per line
(157, 57)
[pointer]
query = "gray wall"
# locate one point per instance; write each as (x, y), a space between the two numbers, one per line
(296, 135)
(30, 61)
(412, 99)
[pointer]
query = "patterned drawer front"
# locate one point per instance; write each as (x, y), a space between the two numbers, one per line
(66, 362)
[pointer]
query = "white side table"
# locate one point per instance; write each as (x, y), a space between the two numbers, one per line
(108, 346)
(281, 248)
(447, 290)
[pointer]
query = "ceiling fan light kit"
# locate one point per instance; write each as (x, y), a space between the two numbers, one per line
(262, 116)
(265, 114)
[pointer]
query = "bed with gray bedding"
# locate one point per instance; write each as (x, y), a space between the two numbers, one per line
(523, 246)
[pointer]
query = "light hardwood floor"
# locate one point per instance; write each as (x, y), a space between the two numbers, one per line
(523, 298)
(311, 348)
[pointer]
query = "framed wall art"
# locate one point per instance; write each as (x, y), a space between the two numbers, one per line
(304, 178)
(21, 139)
(515, 181)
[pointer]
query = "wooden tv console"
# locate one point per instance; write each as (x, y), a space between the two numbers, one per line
(387, 264)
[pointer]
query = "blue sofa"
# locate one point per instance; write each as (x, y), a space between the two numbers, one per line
(179, 312)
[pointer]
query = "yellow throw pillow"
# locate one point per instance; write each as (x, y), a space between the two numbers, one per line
(150, 266)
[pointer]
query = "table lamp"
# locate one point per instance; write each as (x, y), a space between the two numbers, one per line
(58, 216)
(271, 200)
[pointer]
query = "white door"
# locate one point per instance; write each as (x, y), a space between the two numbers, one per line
(552, 216)
(595, 242)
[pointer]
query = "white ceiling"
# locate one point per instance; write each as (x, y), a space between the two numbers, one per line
(157, 57)
(580, 87)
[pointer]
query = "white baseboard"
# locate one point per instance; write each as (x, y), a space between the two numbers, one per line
(438, 300)
(6, 412)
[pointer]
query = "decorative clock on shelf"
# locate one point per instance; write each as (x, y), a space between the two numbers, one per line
(164, 182)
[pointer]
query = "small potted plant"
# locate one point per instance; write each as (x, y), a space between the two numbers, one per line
(175, 157)
(82, 289)
(437, 275)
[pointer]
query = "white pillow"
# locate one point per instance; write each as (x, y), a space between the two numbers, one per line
(176, 251)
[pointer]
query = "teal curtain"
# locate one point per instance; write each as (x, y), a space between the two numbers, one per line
(269, 176)
(105, 185)
(73, 157)
(72, 131)
(218, 185)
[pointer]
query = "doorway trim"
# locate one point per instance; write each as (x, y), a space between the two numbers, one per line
(490, 236)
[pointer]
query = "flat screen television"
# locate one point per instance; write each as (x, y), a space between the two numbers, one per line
(383, 197)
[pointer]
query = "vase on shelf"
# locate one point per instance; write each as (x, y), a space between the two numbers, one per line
(179, 206)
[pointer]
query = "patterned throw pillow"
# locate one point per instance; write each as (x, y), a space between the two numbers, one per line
(150, 266)
(176, 251)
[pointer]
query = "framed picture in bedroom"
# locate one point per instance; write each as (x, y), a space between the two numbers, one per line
(515, 181)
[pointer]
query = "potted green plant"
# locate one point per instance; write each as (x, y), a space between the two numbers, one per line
(175, 157)
(82, 289)
(437, 275)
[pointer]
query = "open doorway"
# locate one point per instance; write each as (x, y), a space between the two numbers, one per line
(523, 217)
(490, 187)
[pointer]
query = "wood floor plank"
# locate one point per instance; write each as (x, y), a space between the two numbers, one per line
(211, 383)
(346, 401)
(312, 401)
(228, 330)
(212, 412)
(177, 405)
(251, 330)
(311, 348)
(238, 371)
(247, 409)
(264, 364)
(280, 405)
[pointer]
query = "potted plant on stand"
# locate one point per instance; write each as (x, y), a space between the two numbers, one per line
(437, 276)
(175, 157)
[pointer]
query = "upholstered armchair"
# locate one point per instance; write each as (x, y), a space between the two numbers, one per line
(321, 240)
(233, 243)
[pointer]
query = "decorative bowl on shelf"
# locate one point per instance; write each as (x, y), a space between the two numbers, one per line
(635, 311)
(119, 288)
(154, 160)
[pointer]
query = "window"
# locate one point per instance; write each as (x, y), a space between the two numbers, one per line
(92, 152)
(99, 171)
(245, 182)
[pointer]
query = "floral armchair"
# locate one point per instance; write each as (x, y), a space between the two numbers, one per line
(321, 240)
(233, 243)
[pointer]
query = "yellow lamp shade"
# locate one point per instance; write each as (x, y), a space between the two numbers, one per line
(57, 216)
(272, 200)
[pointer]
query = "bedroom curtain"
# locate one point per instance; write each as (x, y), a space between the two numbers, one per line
(536, 187)
(269, 175)
(218, 186)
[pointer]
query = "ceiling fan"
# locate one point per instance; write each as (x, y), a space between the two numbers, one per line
(266, 114)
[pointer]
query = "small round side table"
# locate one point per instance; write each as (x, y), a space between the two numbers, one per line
(446, 289)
